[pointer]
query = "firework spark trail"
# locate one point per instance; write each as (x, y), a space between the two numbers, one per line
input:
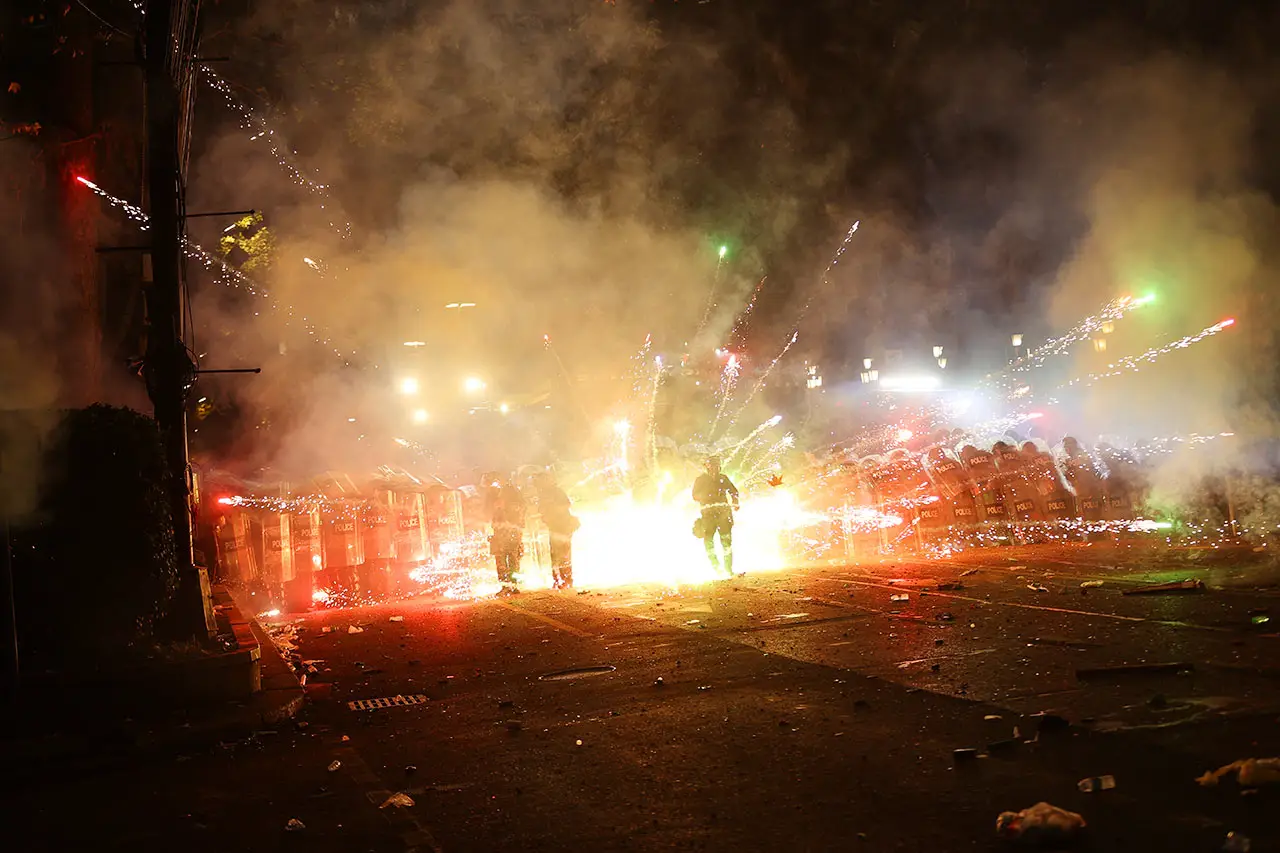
(826, 274)
(226, 274)
(769, 457)
(715, 286)
(728, 381)
(1114, 310)
(564, 373)
(1133, 363)
(731, 452)
(755, 389)
(640, 367)
(745, 314)
(651, 426)
(262, 130)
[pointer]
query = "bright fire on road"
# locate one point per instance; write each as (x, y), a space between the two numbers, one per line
(629, 541)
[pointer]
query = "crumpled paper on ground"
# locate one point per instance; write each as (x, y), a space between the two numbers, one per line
(1249, 772)
(397, 800)
(1040, 824)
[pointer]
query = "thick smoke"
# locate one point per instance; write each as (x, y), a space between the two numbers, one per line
(539, 160)
(542, 160)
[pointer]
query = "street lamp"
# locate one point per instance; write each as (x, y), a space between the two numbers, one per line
(473, 385)
(409, 386)
(866, 364)
(420, 416)
(504, 408)
(937, 352)
(1016, 340)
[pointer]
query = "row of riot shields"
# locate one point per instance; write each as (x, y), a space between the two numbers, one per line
(1003, 494)
(340, 548)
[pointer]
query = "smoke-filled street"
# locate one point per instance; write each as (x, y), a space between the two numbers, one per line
(806, 709)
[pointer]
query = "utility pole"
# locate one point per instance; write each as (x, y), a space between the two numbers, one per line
(169, 371)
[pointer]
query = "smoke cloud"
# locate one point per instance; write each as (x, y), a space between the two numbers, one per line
(571, 171)
(538, 160)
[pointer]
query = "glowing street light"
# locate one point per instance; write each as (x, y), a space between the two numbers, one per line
(937, 352)
(408, 386)
(415, 343)
(724, 250)
(473, 385)
(504, 408)
(453, 305)
(622, 428)
(1016, 340)
(420, 416)
(866, 364)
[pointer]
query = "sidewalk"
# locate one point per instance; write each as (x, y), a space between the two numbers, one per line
(85, 727)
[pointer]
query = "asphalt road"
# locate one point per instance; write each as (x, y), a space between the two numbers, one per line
(803, 711)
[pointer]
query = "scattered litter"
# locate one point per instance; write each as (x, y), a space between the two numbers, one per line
(945, 617)
(1091, 584)
(355, 629)
(1096, 783)
(1133, 669)
(1190, 585)
(399, 800)
(993, 717)
(1236, 843)
(1042, 824)
(962, 755)
(951, 585)
(334, 766)
(294, 825)
(1007, 745)
(899, 596)
(658, 682)
(968, 572)
(514, 725)
(1037, 587)
(410, 769)
(1249, 772)
(577, 743)
(1259, 619)
(326, 629)
(1017, 568)
(506, 703)
(396, 619)
(693, 622)
(346, 739)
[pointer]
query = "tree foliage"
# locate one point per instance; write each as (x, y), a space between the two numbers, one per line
(250, 244)
(95, 567)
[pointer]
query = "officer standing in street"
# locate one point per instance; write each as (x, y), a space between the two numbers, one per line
(553, 506)
(718, 496)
